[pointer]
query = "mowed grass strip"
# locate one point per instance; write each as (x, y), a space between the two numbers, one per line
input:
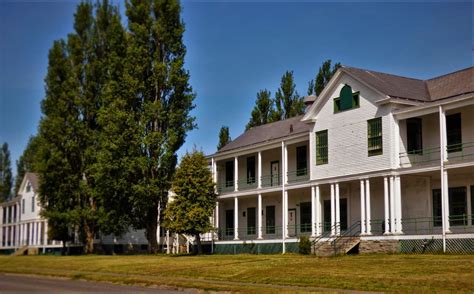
(400, 273)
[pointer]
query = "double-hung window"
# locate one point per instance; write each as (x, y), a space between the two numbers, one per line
(414, 136)
(454, 133)
(322, 147)
(374, 136)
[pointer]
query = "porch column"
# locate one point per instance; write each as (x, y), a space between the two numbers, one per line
(30, 237)
(445, 199)
(45, 233)
(286, 213)
(363, 229)
(236, 218)
(11, 235)
(392, 204)
(216, 220)
(338, 210)
(444, 174)
(398, 206)
(285, 173)
(1, 235)
(386, 207)
(333, 211)
(367, 211)
(259, 170)
(236, 174)
(259, 217)
(168, 251)
(313, 211)
(318, 211)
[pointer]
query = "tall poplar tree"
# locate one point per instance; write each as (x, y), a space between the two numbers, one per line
(78, 86)
(224, 137)
(324, 75)
(287, 101)
(261, 113)
(6, 177)
(158, 85)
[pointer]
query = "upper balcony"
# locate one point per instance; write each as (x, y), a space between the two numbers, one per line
(264, 169)
(420, 138)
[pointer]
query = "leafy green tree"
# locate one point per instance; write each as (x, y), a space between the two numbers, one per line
(78, 86)
(224, 137)
(158, 87)
(59, 155)
(261, 113)
(323, 77)
(287, 101)
(192, 207)
(27, 161)
(6, 177)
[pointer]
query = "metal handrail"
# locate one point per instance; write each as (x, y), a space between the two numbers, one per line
(352, 231)
(327, 234)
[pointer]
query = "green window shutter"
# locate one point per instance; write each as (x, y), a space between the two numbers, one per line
(374, 136)
(322, 147)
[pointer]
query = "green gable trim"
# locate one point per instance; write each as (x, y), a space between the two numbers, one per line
(346, 100)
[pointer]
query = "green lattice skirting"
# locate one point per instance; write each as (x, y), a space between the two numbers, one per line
(458, 246)
(255, 248)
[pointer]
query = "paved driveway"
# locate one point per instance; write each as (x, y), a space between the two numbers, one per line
(27, 284)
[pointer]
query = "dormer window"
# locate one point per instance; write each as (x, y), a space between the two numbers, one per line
(346, 100)
(28, 187)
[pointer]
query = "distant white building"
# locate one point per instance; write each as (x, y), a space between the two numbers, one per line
(22, 227)
(378, 163)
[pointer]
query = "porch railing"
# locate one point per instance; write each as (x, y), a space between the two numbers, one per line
(226, 186)
(431, 156)
(248, 183)
(298, 175)
(271, 180)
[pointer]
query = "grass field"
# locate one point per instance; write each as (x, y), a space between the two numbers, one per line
(262, 273)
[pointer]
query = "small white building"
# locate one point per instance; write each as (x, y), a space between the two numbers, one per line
(378, 163)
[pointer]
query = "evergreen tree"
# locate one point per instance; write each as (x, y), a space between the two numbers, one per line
(287, 101)
(261, 113)
(6, 177)
(27, 161)
(323, 77)
(192, 207)
(158, 86)
(224, 137)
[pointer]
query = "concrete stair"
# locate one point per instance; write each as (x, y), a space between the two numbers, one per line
(343, 246)
(20, 251)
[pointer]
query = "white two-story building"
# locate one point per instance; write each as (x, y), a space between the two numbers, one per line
(377, 163)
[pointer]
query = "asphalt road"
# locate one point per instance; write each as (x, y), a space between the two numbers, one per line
(28, 284)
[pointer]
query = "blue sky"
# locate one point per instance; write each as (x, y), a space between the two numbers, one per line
(236, 48)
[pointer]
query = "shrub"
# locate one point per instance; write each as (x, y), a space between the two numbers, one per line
(304, 245)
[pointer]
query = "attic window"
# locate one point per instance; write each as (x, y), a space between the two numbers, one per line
(28, 187)
(346, 100)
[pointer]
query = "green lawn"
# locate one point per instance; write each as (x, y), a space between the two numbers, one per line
(251, 273)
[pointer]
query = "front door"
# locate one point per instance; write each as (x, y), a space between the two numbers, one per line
(275, 173)
(229, 222)
(342, 214)
(251, 221)
(291, 222)
(327, 216)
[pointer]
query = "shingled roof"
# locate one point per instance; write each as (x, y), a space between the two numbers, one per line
(34, 180)
(268, 132)
(446, 86)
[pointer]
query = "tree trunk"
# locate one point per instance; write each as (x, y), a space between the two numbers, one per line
(198, 242)
(63, 249)
(151, 231)
(89, 248)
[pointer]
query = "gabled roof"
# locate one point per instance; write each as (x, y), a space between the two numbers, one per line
(268, 132)
(33, 178)
(449, 85)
